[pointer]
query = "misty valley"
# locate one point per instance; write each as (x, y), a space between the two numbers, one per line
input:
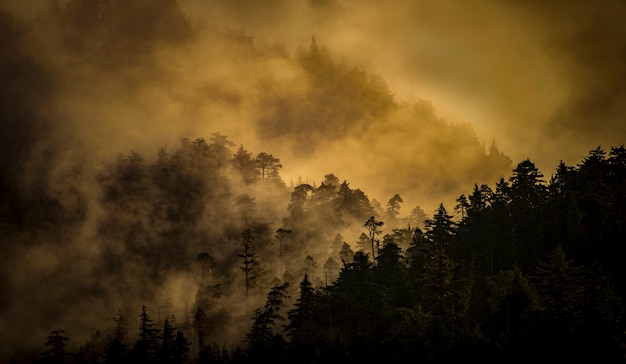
(146, 215)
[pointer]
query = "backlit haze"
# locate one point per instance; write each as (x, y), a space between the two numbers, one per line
(544, 80)
(448, 94)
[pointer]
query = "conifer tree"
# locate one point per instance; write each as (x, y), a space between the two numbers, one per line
(56, 342)
(147, 347)
(174, 346)
(116, 350)
(374, 229)
(440, 228)
(331, 268)
(336, 244)
(181, 348)
(301, 327)
(393, 209)
(249, 258)
(244, 163)
(263, 339)
(346, 254)
(268, 166)
(390, 275)
(513, 304)
(363, 244)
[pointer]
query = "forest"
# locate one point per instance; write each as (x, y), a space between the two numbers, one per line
(118, 245)
(528, 271)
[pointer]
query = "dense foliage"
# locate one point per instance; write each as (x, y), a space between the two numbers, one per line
(525, 272)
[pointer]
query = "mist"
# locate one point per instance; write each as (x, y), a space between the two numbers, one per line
(422, 99)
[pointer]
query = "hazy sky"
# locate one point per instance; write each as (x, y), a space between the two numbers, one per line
(546, 79)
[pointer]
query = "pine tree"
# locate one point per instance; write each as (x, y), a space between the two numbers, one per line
(393, 210)
(513, 304)
(528, 193)
(373, 227)
(167, 342)
(181, 348)
(346, 254)
(268, 166)
(302, 322)
(147, 347)
(390, 275)
(249, 258)
(263, 340)
(116, 350)
(243, 162)
(440, 229)
(56, 342)
(174, 346)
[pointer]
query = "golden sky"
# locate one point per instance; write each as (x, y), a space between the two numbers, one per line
(544, 79)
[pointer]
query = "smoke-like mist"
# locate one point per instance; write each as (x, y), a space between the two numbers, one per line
(393, 97)
(544, 79)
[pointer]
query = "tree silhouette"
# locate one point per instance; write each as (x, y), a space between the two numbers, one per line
(174, 346)
(263, 340)
(346, 254)
(250, 260)
(440, 229)
(56, 342)
(281, 233)
(268, 165)
(243, 162)
(116, 350)
(302, 320)
(331, 267)
(393, 209)
(373, 228)
(146, 349)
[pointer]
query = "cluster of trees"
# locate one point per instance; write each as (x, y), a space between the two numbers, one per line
(165, 345)
(525, 272)
(53, 62)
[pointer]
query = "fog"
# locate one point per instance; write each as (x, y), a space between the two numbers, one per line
(437, 82)
(503, 67)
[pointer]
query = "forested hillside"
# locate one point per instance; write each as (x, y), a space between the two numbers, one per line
(527, 271)
(145, 216)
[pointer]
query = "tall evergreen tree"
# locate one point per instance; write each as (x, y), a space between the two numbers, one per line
(302, 328)
(244, 163)
(440, 229)
(374, 229)
(268, 165)
(390, 275)
(56, 344)
(264, 341)
(331, 268)
(116, 350)
(527, 192)
(250, 262)
(393, 210)
(147, 346)
(174, 346)
(513, 305)
(346, 254)
(251, 267)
